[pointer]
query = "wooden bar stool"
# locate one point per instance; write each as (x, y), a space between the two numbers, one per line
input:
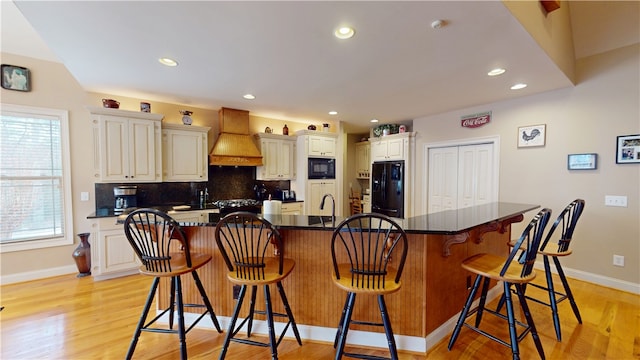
(244, 239)
(565, 223)
(513, 274)
(369, 252)
(150, 233)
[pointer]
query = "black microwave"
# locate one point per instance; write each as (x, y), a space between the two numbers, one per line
(322, 168)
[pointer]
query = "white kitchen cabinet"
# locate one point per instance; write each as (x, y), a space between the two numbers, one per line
(278, 157)
(366, 203)
(317, 144)
(114, 255)
(363, 160)
(184, 153)
(391, 147)
(316, 189)
(128, 145)
(322, 146)
(293, 208)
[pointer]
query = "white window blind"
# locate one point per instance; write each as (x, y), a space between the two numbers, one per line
(34, 177)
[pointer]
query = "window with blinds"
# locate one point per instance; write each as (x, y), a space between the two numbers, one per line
(34, 178)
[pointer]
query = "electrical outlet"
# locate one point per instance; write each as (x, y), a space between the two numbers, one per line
(618, 260)
(613, 200)
(236, 292)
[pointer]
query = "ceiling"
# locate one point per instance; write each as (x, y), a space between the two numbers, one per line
(396, 68)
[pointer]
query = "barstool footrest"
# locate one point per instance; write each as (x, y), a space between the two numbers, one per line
(359, 322)
(519, 337)
(363, 356)
(250, 342)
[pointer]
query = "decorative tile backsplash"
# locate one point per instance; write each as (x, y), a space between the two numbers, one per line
(225, 182)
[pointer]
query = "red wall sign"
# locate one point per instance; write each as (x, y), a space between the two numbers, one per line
(475, 120)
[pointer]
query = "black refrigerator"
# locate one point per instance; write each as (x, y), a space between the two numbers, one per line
(387, 188)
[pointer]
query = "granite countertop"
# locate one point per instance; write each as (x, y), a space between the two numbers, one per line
(444, 222)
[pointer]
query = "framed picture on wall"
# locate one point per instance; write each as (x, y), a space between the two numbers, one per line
(16, 78)
(628, 149)
(582, 161)
(532, 135)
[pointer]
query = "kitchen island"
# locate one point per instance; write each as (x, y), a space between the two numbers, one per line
(434, 284)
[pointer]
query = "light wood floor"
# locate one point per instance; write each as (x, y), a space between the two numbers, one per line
(76, 318)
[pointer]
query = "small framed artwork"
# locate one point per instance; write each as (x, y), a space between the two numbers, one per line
(582, 161)
(533, 135)
(16, 78)
(628, 149)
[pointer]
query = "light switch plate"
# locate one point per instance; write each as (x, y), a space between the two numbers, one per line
(84, 196)
(614, 200)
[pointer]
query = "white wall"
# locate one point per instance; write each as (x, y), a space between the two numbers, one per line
(586, 118)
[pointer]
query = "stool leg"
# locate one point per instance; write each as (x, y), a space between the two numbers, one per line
(181, 328)
(285, 302)
(205, 300)
(172, 303)
(351, 299)
(527, 315)
(344, 310)
(143, 317)
(465, 311)
(272, 333)
(567, 290)
(232, 322)
(483, 300)
(391, 341)
(513, 334)
(252, 307)
(552, 298)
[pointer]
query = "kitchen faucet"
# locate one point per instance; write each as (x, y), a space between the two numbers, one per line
(333, 209)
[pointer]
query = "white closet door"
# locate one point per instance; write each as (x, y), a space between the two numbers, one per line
(475, 175)
(443, 174)
(461, 176)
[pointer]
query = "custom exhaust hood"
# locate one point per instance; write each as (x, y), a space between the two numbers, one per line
(234, 146)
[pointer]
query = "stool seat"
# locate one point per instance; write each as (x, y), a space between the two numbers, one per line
(490, 265)
(179, 265)
(345, 283)
(271, 274)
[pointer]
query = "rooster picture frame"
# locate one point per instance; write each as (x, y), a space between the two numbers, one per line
(532, 135)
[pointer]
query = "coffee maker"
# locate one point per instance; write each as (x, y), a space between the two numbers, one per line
(125, 197)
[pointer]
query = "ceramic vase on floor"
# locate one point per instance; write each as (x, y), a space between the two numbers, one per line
(82, 255)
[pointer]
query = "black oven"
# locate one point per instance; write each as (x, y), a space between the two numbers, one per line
(322, 168)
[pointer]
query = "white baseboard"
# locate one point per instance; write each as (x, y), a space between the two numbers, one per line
(315, 333)
(36, 275)
(595, 278)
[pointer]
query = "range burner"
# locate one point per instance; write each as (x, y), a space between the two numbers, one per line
(237, 204)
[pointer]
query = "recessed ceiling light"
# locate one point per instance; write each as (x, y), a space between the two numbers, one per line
(437, 24)
(374, 120)
(345, 32)
(333, 113)
(518, 86)
(496, 72)
(168, 61)
(249, 96)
